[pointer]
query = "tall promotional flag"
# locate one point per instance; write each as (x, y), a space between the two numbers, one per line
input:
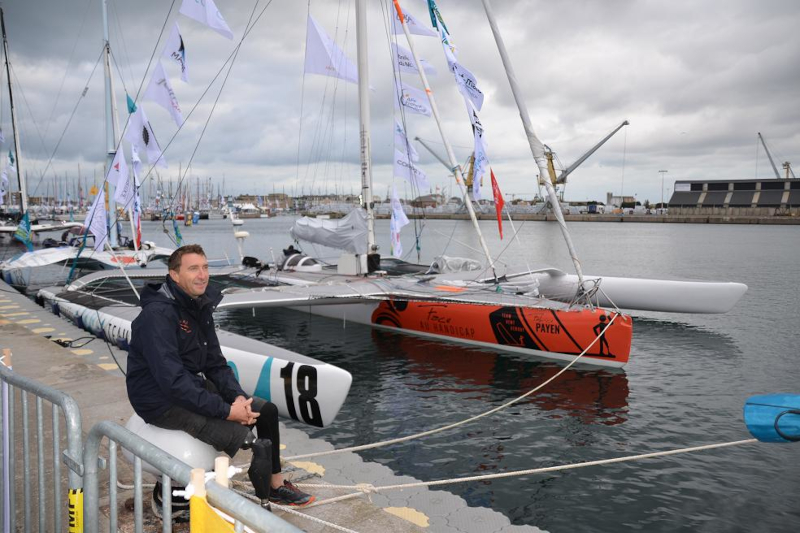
(398, 220)
(402, 143)
(405, 61)
(118, 170)
(467, 84)
(23, 233)
(160, 91)
(405, 168)
(412, 99)
(175, 50)
(415, 26)
(323, 55)
(136, 164)
(140, 134)
(96, 220)
(206, 12)
(481, 161)
(498, 203)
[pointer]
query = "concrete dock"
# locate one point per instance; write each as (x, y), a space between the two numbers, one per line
(93, 375)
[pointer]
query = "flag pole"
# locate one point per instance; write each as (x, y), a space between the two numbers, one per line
(364, 119)
(454, 167)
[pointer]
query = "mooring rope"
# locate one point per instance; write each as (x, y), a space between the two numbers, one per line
(301, 514)
(462, 422)
(366, 489)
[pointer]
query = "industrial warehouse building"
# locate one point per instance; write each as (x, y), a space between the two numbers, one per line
(766, 197)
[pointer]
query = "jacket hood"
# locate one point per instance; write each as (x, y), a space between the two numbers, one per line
(170, 292)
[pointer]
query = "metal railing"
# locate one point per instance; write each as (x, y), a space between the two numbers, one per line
(244, 511)
(61, 404)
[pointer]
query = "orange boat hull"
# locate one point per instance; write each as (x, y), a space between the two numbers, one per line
(558, 334)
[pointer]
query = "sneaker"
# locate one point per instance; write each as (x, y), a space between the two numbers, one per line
(180, 506)
(288, 494)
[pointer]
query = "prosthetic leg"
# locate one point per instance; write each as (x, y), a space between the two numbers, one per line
(260, 470)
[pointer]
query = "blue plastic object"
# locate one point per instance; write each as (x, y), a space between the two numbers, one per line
(773, 417)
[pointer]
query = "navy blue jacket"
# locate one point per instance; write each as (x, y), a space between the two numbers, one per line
(173, 340)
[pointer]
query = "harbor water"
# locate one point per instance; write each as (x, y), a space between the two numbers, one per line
(685, 385)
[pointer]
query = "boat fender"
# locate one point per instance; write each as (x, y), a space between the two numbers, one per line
(773, 417)
(179, 444)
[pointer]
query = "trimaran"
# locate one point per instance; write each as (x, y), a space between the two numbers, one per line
(540, 312)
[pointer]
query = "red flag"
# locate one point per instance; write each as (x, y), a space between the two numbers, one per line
(498, 202)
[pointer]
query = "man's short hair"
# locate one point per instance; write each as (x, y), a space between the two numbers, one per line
(174, 262)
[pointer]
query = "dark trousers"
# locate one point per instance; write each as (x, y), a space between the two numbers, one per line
(225, 435)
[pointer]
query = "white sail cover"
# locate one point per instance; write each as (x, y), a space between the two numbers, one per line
(348, 233)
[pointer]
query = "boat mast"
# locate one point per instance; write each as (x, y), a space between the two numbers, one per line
(112, 128)
(23, 187)
(364, 118)
(454, 167)
(537, 148)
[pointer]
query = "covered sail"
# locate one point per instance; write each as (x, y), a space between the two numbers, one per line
(348, 233)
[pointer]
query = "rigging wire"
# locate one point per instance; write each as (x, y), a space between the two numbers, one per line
(66, 70)
(69, 121)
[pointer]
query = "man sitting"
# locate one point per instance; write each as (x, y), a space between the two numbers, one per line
(178, 378)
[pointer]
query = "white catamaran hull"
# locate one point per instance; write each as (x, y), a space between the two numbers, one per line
(302, 388)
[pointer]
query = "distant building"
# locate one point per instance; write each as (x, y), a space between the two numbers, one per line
(617, 201)
(428, 200)
(765, 197)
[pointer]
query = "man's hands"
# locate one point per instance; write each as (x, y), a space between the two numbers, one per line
(241, 411)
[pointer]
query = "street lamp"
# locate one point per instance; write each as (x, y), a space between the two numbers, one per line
(662, 172)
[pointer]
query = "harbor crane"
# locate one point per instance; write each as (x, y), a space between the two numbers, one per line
(787, 166)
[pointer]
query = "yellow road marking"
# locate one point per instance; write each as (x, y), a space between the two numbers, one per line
(9, 306)
(312, 468)
(29, 321)
(82, 351)
(107, 366)
(407, 513)
(8, 315)
(43, 330)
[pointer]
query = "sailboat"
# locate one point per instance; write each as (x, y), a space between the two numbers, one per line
(544, 312)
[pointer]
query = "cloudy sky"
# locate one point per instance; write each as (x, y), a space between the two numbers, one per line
(697, 81)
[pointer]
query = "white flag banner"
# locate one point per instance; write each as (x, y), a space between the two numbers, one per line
(450, 49)
(175, 50)
(136, 165)
(124, 192)
(206, 12)
(414, 25)
(467, 84)
(405, 168)
(405, 61)
(481, 162)
(3, 185)
(402, 143)
(160, 91)
(398, 220)
(118, 170)
(323, 56)
(96, 220)
(411, 98)
(140, 135)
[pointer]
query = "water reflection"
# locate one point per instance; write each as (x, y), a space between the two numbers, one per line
(592, 396)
